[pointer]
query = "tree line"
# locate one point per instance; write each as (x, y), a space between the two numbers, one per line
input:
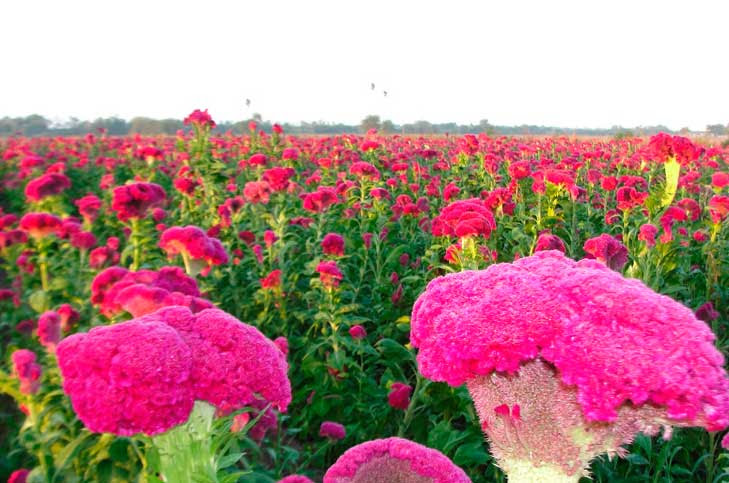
(37, 125)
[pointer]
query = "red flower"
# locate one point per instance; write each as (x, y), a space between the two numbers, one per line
(718, 208)
(257, 192)
(329, 273)
(399, 396)
(272, 281)
(200, 118)
(320, 200)
(332, 430)
(47, 185)
(135, 199)
(464, 218)
(357, 332)
(333, 244)
(40, 225)
(278, 178)
(88, 207)
(548, 241)
(607, 250)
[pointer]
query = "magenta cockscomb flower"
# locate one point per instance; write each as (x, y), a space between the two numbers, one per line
(295, 479)
(49, 330)
(199, 251)
(333, 244)
(133, 200)
(233, 363)
(27, 370)
(19, 476)
(548, 241)
(394, 459)
(46, 185)
(464, 218)
(608, 250)
(399, 396)
(200, 119)
(570, 358)
(39, 225)
(128, 378)
(88, 206)
(329, 273)
(332, 430)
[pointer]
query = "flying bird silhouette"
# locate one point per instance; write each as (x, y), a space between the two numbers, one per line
(248, 103)
(384, 93)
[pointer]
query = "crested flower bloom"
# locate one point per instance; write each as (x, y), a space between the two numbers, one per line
(464, 218)
(332, 430)
(49, 330)
(19, 476)
(233, 363)
(394, 459)
(663, 146)
(27, 370)
(278, 177)
(257, 192)
(198, 250)
(357, 332)
(399, 396)
(718, 208)
(329, 273)
(648, 234)
(69, 316)
(333, 244)
(200, 118)
(88, 206)
(548, 241)
(133, 200)
(295, 479)
(46, 185)
(272, 281)
(608, 250)
(39, 225)
(128, 378)
(320, 200)
(545, 334)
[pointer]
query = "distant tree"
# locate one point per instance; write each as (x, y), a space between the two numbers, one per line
(717, 129)
(387, 127)
(684, 131)
(370, 122)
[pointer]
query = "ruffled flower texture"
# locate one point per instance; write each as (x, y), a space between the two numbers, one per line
(554, 349)
(464, 218)
(134, 200)
(394, 460)
(128, 378)
(117, 289)
(143, 375)
(194, 245)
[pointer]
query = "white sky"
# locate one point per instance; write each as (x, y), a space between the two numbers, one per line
(574, 64)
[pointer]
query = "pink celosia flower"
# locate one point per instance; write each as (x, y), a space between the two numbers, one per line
(707, 313)
(719, 180)
(399, 396)
(295, 479)
(88, 207)
(320, 200)
(233, 363)
(200, 118)
(135, 199)
(49, 330)
(272, 281)
(27, 370)
(198, 249)
(282, 343)
(576, 346)
(278, 177)
(332, 430)
(548, 241)
(329, 273)
(39, 225)
(648, 234)
(718, 208)
(357, 332)
(394, 459)
(257, 192)
(46, 185)
(69, 316)
(128, 378)
(608, 250)
(464, 218)
(19, 476)
(333, 244)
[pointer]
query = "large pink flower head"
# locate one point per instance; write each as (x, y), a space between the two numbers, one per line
(200, 250)
(554, 349)
(199, 118)
(46, 185)
(135, 199)
(333, 244)
(329, 273)
(128, 378)
(464, 218)
(27, 370)
(88, 206)
(394, 460)
(39, 225)
(49, 330)
(663, 146)
(233, 363)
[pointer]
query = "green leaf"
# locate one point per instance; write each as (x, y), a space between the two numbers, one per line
(39, 301)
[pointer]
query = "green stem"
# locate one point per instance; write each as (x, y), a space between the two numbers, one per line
(136, 245)
(411, 407)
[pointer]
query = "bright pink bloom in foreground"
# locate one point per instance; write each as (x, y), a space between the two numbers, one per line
(295, 479)
(233, 363)
(135, 199)
(39, 225)
(333, 244)
(608, 250)
(645, 349)
(464, 218)
(128, 378)
(46, 185)
(330, 429)
(394, 459)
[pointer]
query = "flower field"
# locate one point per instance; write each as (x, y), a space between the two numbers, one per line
(210, 307)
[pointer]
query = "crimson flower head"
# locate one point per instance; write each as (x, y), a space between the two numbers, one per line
(39, 225)
(200, 118)
(49, 330)
(295, 479)
(278, 177)
(330, 429)
(548, 241)
(357, 332)
(135, 199)
(394, 460)
(257, 192)
(333, 244)
(88, 206)
(399, 396)
(195, 246)
(321, 199)
(608, 250)
(19, 476)
(663, 146)
(464, 218)
(718, 208)
(329, 273)
(27, 370)
(648, 234)
(46, 185)
(571, 348)
(272, 281)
